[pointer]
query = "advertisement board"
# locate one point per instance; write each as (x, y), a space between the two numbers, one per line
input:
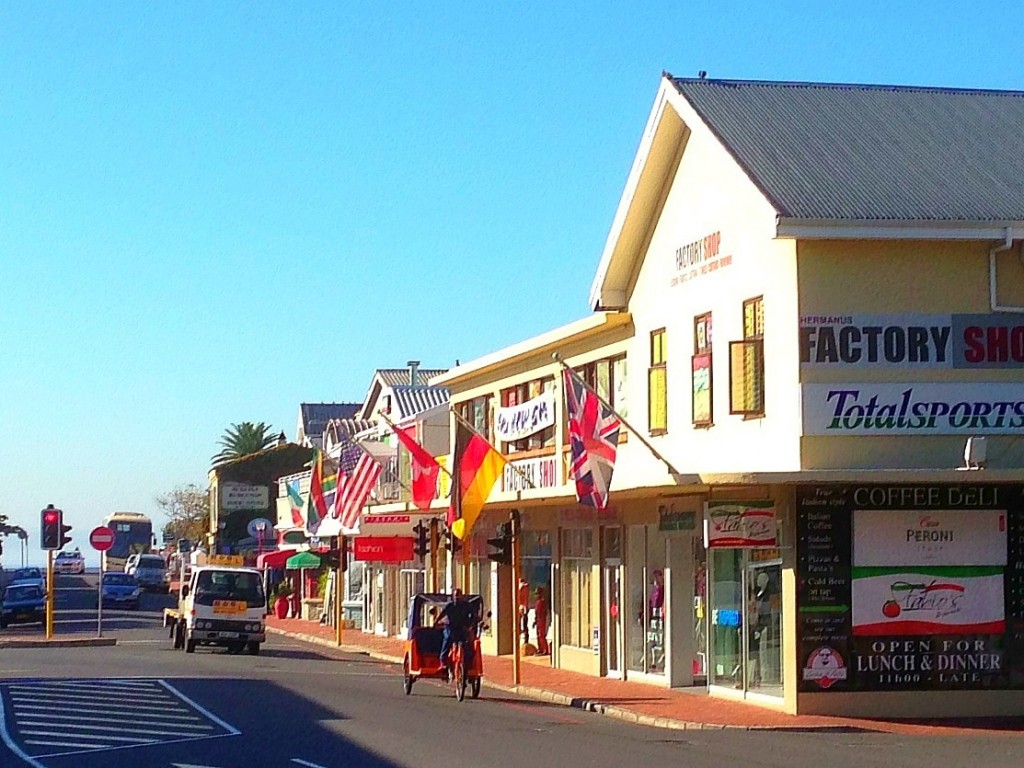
(740, 524)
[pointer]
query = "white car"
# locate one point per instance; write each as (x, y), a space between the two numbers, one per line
(69, 562)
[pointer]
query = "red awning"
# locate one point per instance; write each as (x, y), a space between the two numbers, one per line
(275, 559)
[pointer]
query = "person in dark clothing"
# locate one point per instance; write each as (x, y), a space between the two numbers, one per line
(459, 619)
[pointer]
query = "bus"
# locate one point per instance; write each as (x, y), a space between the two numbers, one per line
(133, 534)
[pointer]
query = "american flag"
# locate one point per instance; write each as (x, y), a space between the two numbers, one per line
(357, 475)
(594, 438)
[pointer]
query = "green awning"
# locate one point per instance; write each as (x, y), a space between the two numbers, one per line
(303, 560)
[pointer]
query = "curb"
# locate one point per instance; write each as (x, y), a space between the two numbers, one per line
(575, 702)
(85, 642)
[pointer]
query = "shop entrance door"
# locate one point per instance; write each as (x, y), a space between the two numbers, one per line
(612, 591)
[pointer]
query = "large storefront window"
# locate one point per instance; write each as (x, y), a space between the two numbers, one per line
(645, 579)
(578, 617)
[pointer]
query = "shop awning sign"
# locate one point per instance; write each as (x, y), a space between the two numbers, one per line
(740, 525)
(514, 422)
(383, 549)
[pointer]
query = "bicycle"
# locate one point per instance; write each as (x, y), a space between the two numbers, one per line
(457, 659)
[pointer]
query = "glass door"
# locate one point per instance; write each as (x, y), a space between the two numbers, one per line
(726, 627)
(612, 588)
(764, 627)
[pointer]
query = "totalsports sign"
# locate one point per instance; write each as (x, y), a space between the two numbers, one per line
(912, 341)
(900, 408)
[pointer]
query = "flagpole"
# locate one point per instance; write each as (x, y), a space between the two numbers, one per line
(394, 428)
(608, 405)
(508, 463)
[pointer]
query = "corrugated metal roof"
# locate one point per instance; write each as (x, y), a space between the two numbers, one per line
(833, 151)
(316, 415)
(413, 400)
(393, 377)
(352, 426)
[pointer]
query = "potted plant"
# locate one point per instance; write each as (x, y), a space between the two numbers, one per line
(281, 601)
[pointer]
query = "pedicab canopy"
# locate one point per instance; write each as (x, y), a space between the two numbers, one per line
(424, 601)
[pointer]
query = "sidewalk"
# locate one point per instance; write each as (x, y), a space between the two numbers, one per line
(636, 702)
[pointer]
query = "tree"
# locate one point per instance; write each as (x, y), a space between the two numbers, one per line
(188, 511)
(242, 439)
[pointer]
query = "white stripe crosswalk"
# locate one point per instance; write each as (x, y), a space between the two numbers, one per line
(60, 717)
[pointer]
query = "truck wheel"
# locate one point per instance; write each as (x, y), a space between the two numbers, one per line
(253, 648)
(190, 646)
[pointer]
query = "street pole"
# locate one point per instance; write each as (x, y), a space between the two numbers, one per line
(99, 601)
(49, 594)
(338, 576)
(516, 651)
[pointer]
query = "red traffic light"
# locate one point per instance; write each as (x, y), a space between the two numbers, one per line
(50, 517)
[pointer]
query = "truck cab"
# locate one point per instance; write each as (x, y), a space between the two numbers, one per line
(222, 605)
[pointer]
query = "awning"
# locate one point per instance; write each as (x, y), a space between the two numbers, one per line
(276, 559)
(303, 560)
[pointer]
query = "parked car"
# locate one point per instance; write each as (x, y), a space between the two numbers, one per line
(151, 573)
(69, 562)
(22, 603)
(32, 576)
(120, 590)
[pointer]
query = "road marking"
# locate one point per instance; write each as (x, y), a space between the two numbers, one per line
(306, 763)
(53, 718)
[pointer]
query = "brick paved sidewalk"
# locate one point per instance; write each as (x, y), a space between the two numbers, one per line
(637, 702)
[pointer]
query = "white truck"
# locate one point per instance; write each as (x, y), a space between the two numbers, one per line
(221, 605)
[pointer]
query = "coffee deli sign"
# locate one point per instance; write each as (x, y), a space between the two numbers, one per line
(911, 341)
(913, 409)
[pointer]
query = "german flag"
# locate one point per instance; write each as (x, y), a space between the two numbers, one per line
(477, 466)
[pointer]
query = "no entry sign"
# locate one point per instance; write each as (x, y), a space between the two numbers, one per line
(101, 538)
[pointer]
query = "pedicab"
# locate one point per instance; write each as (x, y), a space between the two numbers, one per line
(422, 652)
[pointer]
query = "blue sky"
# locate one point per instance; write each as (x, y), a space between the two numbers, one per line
(211, 212)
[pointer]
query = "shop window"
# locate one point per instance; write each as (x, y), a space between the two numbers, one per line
(657, 385)
(578, 614)
(477, 413)
(607, 377)
(701, 382)
(746, 363)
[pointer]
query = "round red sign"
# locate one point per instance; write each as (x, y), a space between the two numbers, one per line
(101, 538)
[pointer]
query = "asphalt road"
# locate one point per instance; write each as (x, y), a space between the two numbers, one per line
(142, 703)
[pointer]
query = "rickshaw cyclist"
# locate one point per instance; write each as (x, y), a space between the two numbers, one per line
(459, 619)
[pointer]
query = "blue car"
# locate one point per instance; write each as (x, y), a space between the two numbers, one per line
(120, 590)
(23, 604)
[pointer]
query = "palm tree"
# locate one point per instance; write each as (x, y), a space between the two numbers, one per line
(242, 439)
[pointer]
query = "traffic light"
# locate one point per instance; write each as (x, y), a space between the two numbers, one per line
(452, 543)
(335, 558)
(64, 538)
(503, 545)
(51, 527)
(422, 545)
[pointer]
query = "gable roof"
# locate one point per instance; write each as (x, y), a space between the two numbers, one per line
(394, 377)
(871, 152)
(411, 400)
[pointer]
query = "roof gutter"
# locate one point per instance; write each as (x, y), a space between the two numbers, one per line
(894, 229)
(992, 282)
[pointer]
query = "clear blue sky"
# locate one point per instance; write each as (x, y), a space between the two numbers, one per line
(211, 212)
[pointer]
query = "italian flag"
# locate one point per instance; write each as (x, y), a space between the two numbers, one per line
(911, 600)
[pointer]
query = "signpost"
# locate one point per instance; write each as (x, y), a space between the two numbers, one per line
(102, 539)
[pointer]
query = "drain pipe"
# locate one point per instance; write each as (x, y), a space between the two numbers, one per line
(992, 282)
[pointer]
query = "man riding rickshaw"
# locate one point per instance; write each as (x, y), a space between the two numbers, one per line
(443, 641)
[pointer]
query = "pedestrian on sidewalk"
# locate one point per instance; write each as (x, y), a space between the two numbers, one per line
(540, 621)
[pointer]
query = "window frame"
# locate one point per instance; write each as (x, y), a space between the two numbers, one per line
(746, 363)
(703, 357)
(658, 366)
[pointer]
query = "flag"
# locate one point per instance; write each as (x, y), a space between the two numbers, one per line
(424, 469)
(322, 486)
(296, 501)
(357, 475)
(477, 466)
(594, 438)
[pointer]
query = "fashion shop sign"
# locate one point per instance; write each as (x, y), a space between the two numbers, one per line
(912, 341)
(514, 422)
(743, 524)
(913, 409)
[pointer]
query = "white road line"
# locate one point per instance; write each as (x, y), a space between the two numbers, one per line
(180, 715)
(104, 729)
(106, 706)
(230, 728)
(306, 763)
(125, 739)
(11, 745)
(49, 714)
(41, 743)
(189, 739)
(135, 690)
(97, 696)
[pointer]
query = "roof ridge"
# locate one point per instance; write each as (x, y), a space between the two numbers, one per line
(846, 86)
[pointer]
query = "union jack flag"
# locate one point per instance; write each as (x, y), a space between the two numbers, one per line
(594, 438)
(357, 475)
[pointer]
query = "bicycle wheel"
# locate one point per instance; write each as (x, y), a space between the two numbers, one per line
(460, 677)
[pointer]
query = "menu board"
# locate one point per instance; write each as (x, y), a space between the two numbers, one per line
(823, 586)
(910, 587)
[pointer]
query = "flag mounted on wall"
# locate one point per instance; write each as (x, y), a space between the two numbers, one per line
(425, 468)
(594, 439)
(358, 472)
(323, 485)
(478, 465)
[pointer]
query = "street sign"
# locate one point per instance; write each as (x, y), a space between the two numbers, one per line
(184, 546)
(259, 527)
(101, 538)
